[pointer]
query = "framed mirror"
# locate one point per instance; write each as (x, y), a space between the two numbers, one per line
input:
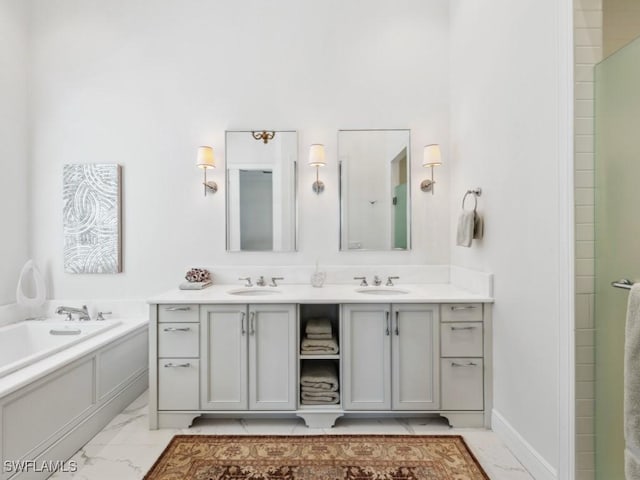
(261, 190)
(374, 189)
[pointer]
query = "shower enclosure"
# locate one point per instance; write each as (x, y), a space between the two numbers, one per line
(617, 241)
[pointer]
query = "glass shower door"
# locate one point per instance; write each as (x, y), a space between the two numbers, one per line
(617, 238)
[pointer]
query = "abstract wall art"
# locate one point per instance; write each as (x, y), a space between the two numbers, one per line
(91, 218)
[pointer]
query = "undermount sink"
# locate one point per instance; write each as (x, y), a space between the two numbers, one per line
(252, 292)
(382, 291)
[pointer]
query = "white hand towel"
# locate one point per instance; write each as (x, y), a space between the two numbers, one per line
(318, 325)
(466, 223)
(322, 375)
(319, 346)
(632, 386)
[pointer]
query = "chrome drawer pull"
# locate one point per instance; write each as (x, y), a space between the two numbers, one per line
(174, 329)
(470, 364)
(243, 331)
(177, 309)
(177, 365)
(463, 328)
(252, 327)
(466, 307)
(387, 331)
(397, 331)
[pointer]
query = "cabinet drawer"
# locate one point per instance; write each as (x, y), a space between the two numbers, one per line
(461, 312)
(461, 339)
(178, 339)
(178, 384)
(462, 384)
(178, 313)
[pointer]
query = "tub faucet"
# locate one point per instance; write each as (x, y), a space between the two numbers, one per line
(83, 313)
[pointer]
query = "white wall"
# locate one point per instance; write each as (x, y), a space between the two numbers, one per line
(511, 136)
(144, 83)
(14, 239)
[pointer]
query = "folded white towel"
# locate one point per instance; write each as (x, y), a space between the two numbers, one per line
(318, 325)
(632, 386)
(466, 223)
(310, 345)
(319, 375)
(319, 398)
(319, 336)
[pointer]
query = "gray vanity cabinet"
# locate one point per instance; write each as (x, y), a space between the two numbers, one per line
(247, 357)
(391, 357)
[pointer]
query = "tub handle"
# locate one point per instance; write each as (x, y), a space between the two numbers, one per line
(175, 329)
(178, 309)
(53, 331)
(177, 365)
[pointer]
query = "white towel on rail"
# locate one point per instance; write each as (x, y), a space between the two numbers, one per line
(632, 386)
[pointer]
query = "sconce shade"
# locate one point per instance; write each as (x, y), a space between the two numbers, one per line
(316, 155)
(205, 157)
(432, 156)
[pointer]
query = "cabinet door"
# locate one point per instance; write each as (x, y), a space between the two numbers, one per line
(415, 357)
(272, 357)
(223, 347)
(366, 344)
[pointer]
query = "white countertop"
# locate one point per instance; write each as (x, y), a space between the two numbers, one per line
(332, 293)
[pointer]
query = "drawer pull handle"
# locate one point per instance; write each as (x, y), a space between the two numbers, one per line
(177, 365)
(242, 329)
(397, 331)
(175, 329)
(388, 330)
(252, 327)
(466, 307)
(463, 328)
(470, 364)
(178, 309)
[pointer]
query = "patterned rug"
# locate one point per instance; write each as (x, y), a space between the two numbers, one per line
(320, 457)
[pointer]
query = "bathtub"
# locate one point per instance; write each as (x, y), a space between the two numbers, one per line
(61, 382)
(24, 343)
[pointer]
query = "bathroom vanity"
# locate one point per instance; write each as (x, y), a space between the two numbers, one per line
(403, 351)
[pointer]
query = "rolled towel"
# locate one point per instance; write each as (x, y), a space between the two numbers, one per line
(310, 345)
(319, 398)
(319, 375)
(319, 336)
(466, 224)
(318, 325)
(632, 386)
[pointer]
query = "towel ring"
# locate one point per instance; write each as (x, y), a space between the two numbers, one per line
(476, 193)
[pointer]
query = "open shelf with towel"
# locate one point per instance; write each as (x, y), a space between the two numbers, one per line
(319, 356)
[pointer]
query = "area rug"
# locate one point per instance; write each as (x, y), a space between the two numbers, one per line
(320, 457)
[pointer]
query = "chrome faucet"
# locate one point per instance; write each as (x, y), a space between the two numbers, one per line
(363, 282)
(83, 313)
(261, 281)
(273, 281)
(248, 280)
(377, 281)
(390, 281)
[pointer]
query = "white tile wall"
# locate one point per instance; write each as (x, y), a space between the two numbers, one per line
(588, 51)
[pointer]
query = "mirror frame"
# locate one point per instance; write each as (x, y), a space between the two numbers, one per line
(341, 203)
(295, 193)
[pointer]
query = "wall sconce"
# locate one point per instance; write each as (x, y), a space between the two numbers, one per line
(206, 161)
(432, 158)
(317, 159)
(264, 136)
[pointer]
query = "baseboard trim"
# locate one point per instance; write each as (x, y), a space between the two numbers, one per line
(535, 463)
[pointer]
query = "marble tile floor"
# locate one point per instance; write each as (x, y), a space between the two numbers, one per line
(125, 449)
